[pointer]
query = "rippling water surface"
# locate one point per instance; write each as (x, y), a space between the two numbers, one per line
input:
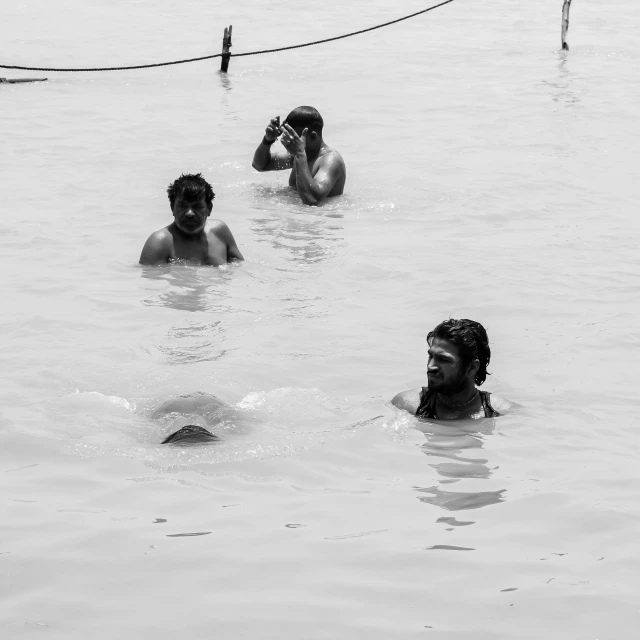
(490, 176)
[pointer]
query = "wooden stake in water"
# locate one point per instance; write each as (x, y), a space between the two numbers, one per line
(226, 45)
(565, 23)
(18, 80)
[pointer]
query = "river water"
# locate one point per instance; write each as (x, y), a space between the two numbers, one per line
(490, 176)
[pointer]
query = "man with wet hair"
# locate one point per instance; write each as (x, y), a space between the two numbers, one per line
(317, 170)
(191, 236)
(459, 355)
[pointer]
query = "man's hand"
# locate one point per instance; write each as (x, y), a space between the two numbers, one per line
(273, 130)
(296, 145)
(264, 158)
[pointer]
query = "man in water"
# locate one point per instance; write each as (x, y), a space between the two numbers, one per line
(317, 170)
(191, 236)
(459, 355)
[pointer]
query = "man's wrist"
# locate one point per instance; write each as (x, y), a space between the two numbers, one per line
(268, 142)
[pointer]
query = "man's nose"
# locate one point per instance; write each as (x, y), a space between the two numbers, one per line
(431, 366)
(189, 213)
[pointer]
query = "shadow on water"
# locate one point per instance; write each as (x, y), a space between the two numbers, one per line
(454, 445)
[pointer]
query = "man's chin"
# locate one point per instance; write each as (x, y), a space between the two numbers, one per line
(445, 388)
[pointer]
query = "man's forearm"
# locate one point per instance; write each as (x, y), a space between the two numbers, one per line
(308, 189)
(262, 156)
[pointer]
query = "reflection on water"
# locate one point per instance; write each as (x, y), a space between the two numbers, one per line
(307, 238)
(227, 87)
(194, 342)
(453, 443)
(195, 289)
(561, 87)
(191, 288)
(225, 82)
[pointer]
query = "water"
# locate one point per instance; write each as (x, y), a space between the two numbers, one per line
(490, 176)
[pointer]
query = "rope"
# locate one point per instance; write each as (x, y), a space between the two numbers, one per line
(236, 55)
(347, 35)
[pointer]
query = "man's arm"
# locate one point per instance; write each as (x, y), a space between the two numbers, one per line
(311, 189)
(263, 158)
(314, 189)
(157, 248)
(407, 400)
(224, 233)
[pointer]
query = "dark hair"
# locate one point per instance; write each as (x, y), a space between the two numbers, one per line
(305, 117)
(192, 186)
(472, 340)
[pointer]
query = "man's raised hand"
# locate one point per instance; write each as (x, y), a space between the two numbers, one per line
(295, 144)
(273, 130)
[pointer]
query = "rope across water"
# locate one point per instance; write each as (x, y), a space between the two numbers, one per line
(236, 55)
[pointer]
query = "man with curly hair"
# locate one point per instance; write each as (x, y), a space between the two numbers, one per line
(459, 355)
(191, 236)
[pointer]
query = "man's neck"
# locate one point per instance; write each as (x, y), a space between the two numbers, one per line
(313, 155)
(189, 237)
(459, 398)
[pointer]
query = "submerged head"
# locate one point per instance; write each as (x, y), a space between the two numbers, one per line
(302, 118)
(190, 434)
(191, 199)
(459, 355)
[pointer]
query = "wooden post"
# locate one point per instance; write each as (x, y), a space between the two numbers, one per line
(226, 45)
(565, 23)
(18, 80)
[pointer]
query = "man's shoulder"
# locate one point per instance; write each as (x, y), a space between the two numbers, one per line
(161, 237)
(332, 157)
(216, 226)
(162, 234)
(500, 404)
(219, 229)
(158, 247)
(408, 400)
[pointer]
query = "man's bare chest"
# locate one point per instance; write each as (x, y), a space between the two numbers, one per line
(208, 250)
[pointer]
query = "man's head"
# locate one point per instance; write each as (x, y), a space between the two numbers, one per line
(191, 198)
(303, 118)
(459, 355)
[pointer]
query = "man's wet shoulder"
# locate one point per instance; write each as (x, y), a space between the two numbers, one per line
(216, 225)
(218, 229)
(407, 400)
(163, 235)
(332, 156)
(500, 404)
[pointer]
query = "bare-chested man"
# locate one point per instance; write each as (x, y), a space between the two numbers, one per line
(317, 170)
(459, 355)
(191, 236)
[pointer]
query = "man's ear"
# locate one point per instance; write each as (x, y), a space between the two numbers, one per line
(473, 368)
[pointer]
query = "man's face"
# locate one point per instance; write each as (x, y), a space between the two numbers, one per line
(311, 138)
(444, 369)
(190, 214)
